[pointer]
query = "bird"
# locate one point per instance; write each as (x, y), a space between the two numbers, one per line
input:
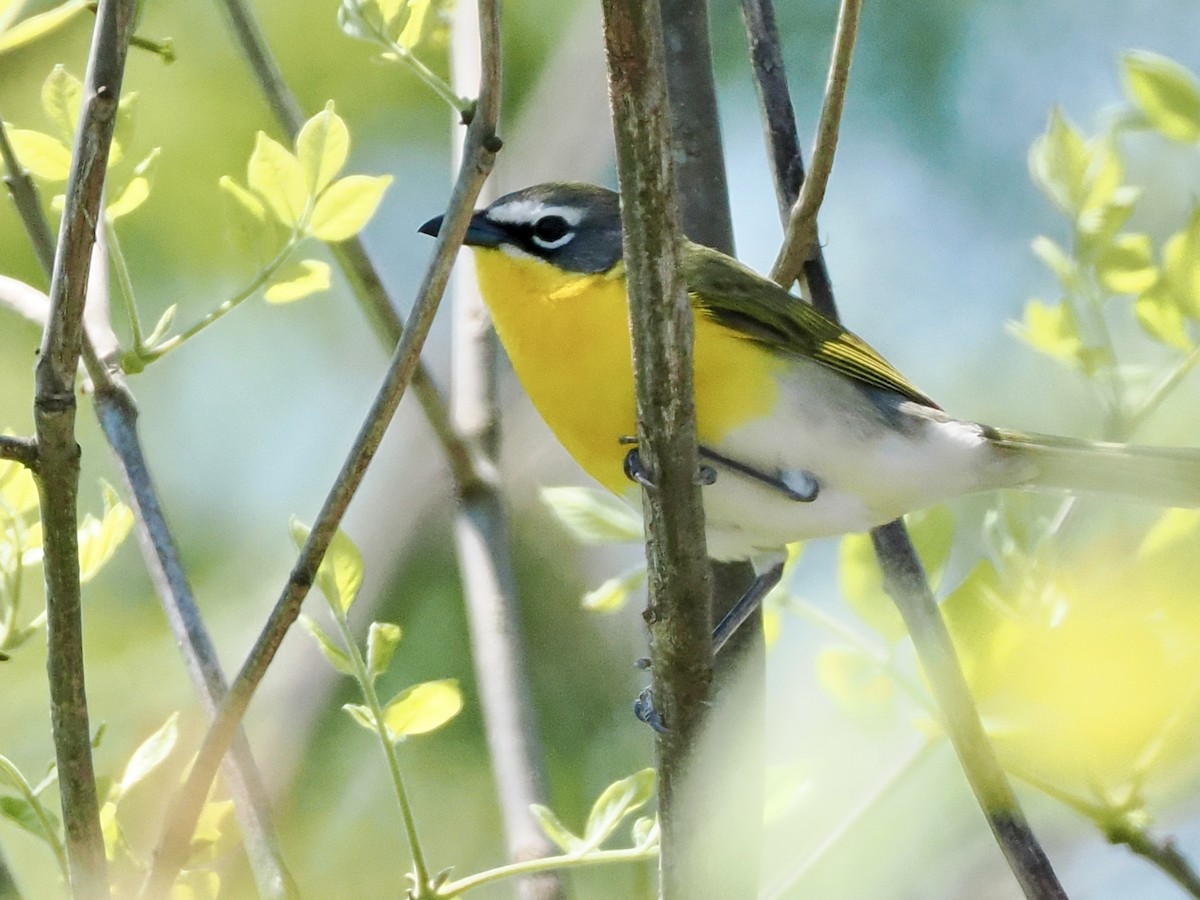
(803, 429)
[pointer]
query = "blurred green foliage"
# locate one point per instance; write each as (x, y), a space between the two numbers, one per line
(247, 426)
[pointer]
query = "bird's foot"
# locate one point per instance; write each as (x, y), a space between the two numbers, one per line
(637, 471)
(643, 708)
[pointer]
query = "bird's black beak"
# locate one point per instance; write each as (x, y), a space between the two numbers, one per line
(482, 232)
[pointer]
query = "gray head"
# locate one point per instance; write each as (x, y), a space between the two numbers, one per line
(574, 226)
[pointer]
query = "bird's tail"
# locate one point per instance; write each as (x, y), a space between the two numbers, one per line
(1167, 476)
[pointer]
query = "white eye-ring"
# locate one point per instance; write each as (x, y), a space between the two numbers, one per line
(552, 231)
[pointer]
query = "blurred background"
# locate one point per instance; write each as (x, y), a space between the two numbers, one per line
(927, 229)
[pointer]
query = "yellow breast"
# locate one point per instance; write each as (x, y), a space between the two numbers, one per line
(568, 338)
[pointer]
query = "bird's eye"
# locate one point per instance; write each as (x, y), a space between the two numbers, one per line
(551, 232)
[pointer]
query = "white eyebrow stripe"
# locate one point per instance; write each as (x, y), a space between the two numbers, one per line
(526, 212)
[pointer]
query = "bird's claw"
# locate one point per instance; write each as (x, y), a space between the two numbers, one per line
(636, 470)
(643, 708)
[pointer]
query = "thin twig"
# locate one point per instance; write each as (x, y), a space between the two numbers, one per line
(25, 196)
(548, 864)
(481, 536)
(19, 449)
(1119, 828)
(801, 234)
(783, 141)
(905, 582)
(679, 611)
(903, 574)
(351, 255)
(703, 188)
(738, 715)
(58, 471)
(481, 147)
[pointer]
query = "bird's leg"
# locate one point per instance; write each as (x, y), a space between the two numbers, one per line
(797, 485)
(643, 706)
(746, 605)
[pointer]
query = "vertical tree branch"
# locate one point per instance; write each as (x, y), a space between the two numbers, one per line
(58, 453)
(482, 145)
(481, 537)
(904, 577)
(702, 187)
(738, 718)
(117, 413)
(661, 321)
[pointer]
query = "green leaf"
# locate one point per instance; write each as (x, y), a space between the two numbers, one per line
(249, 203)
(362, 715)
(336, 655)
(18, 490)
(382, 639)
(978, 620)
(136, 190)
(276, 175)
(100, 538)
(31, 549)
(123, 128)
(422, 21)
(1052, 330)
(1058, 162)
(211, 824)
(861, 580)
(44, 156)
(1126, 266)
(62, 97)
(340, 574)
(615, 802)
(1181, 266)
(594, 516)
(553, 828)
(249, 226)
(646, 832)
(422, 708)
(1082, 179)
(1059, 262)
(298, 280)
(1164, 92)
(322, 146)
(862, 586)
(345, 207)
(614, 593)
(21, 813)
(150, 754)
(855, 679)
(133, 195)
(38, 26)
(932, 531)
(1161, 318)
(1098, 226)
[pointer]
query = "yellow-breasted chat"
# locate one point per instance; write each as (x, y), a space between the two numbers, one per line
(804, 430)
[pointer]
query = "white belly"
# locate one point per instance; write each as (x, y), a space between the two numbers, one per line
(873, 456)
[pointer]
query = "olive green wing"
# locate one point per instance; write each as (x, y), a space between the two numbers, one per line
(743, 301)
